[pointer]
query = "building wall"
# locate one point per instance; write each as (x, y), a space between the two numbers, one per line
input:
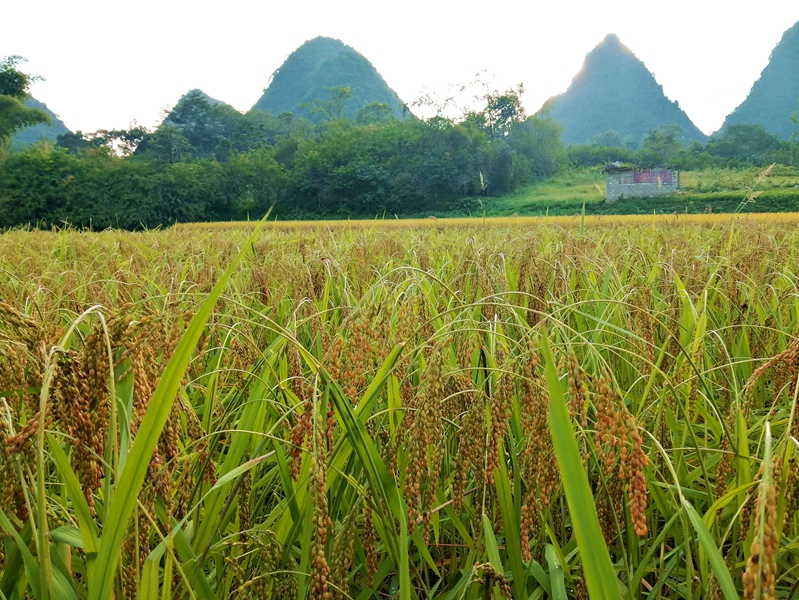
(641, 183)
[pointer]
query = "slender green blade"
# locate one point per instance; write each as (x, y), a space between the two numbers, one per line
(63, 585)
(380, 480)
(714, 556)
(556, 577)
(66, 534)
(492, 548)
(148, 589)
(88, 529)
(599, 575)
(31, 564)
(511, 520)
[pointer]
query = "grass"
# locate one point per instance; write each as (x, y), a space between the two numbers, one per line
(720, 189)
(729, 180)
(536, 408)
(587, 185)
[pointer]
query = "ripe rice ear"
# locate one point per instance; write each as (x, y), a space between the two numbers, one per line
(132, 476)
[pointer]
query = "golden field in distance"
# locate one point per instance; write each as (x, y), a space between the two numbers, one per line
(511, 222)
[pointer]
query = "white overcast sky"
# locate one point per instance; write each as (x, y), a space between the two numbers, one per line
(109, 62)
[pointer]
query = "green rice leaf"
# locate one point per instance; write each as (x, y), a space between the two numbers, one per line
(714, 556)
(556, 577)
(66, 534)
(492, 548)
(599, 574)
(88, 528)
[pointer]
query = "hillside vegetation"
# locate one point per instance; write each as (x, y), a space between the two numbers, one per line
(209, 162)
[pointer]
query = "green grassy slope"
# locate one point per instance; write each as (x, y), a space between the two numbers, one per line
(722, 190)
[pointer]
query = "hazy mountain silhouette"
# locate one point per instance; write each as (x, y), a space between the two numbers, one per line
(615, 91)
(774, 96)
(309, 73)
(29, 135)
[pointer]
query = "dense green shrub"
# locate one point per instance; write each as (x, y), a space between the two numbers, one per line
(47, 186)
(200, 166)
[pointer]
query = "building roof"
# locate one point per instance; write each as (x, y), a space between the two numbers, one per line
(618, 167)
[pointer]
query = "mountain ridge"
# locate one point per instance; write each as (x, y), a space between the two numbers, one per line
(774, 96)
(614, 91)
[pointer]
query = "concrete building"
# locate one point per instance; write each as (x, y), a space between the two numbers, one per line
(632, 182)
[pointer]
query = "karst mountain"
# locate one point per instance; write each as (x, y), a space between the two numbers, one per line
(305, 84)
(614, 91)
(29, 135)
(774, 97)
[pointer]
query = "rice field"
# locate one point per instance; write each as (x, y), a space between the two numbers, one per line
(515, 408)
(433, 222)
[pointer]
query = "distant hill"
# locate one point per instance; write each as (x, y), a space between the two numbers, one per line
(775, 95)
(41, 131)
(614, 91)
(318, 65)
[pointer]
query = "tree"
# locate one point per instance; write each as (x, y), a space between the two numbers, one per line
(537, 141)
(168, 144)
(333, 109)
(122, 142)
(339, 95)
(610, 139)
(205, 123)
(590, 155)
(125, 141)
(661, 145)
(14, 87)
(373, 113)
(77, 142)
(502, 110)
(748, 143)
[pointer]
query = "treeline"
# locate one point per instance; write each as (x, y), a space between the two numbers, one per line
(737, 146)
(209, 162)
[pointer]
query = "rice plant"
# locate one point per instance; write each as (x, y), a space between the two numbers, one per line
(527, 410)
